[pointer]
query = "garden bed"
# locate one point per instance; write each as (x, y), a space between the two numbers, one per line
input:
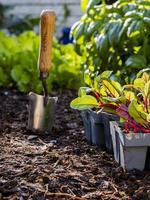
(61, 165)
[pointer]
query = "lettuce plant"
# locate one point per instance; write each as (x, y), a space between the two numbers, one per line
(18, 64)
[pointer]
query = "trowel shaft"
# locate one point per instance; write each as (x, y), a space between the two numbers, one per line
(47, 24)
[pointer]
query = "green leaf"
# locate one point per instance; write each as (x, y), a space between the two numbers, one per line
(134, 14)
(124, 28)
(102, 44)
(92, 3)
(87, 78)
(129, 95)
(113, 88)
(97, 80)
(84, 102)
(106, 74)
(147, 21)
(136, 61)
(83, 5)
(147, 91)
(134, 29)
(113, 33)
(79, 31)
(93, 27)
(136, 111)
(139, 83)
(140, 73)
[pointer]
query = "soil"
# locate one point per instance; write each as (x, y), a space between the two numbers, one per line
(61, 165)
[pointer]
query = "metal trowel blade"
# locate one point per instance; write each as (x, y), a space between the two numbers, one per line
(41, 116)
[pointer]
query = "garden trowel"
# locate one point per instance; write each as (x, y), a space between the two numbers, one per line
(41, 108)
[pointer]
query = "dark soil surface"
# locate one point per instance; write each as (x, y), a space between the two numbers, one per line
(61, 165)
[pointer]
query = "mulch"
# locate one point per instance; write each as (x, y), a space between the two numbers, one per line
(61, 165)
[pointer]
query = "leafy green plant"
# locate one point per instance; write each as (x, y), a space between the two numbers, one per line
(103, 93)
(18, 64)
(114, 37)
(137, 114)
(130, 102)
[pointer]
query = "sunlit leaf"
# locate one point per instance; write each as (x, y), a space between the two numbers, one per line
(113, 88)
(136, 111)
(84, 102)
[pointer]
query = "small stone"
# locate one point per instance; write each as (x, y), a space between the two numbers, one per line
(105, 184)
(6, 93)
(32, 137)
(51, 144)
(53, 141)
(72, 125)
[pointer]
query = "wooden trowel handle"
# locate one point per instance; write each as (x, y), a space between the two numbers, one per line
(47, 24)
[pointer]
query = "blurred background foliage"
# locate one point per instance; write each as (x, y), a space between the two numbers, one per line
(114, 36)
(18, 63)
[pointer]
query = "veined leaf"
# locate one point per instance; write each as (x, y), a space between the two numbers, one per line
(109, 108)
(97, 79)
(113, 88)
(129, 95)
(122, 111)
(140, 73)
(134, 29)
(131, 27)
(79, 30)
(74, 27)
(116, 100)
(139, 83)
(113, 33)
(102, 91)
(145, 77)
(94, 26)
(102, 44)
(147, 90)
(124, 28)
(136, 111)
(84, 102)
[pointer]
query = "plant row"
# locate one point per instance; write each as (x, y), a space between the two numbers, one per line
(131, 102)
(18, 64)
(114, 37)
